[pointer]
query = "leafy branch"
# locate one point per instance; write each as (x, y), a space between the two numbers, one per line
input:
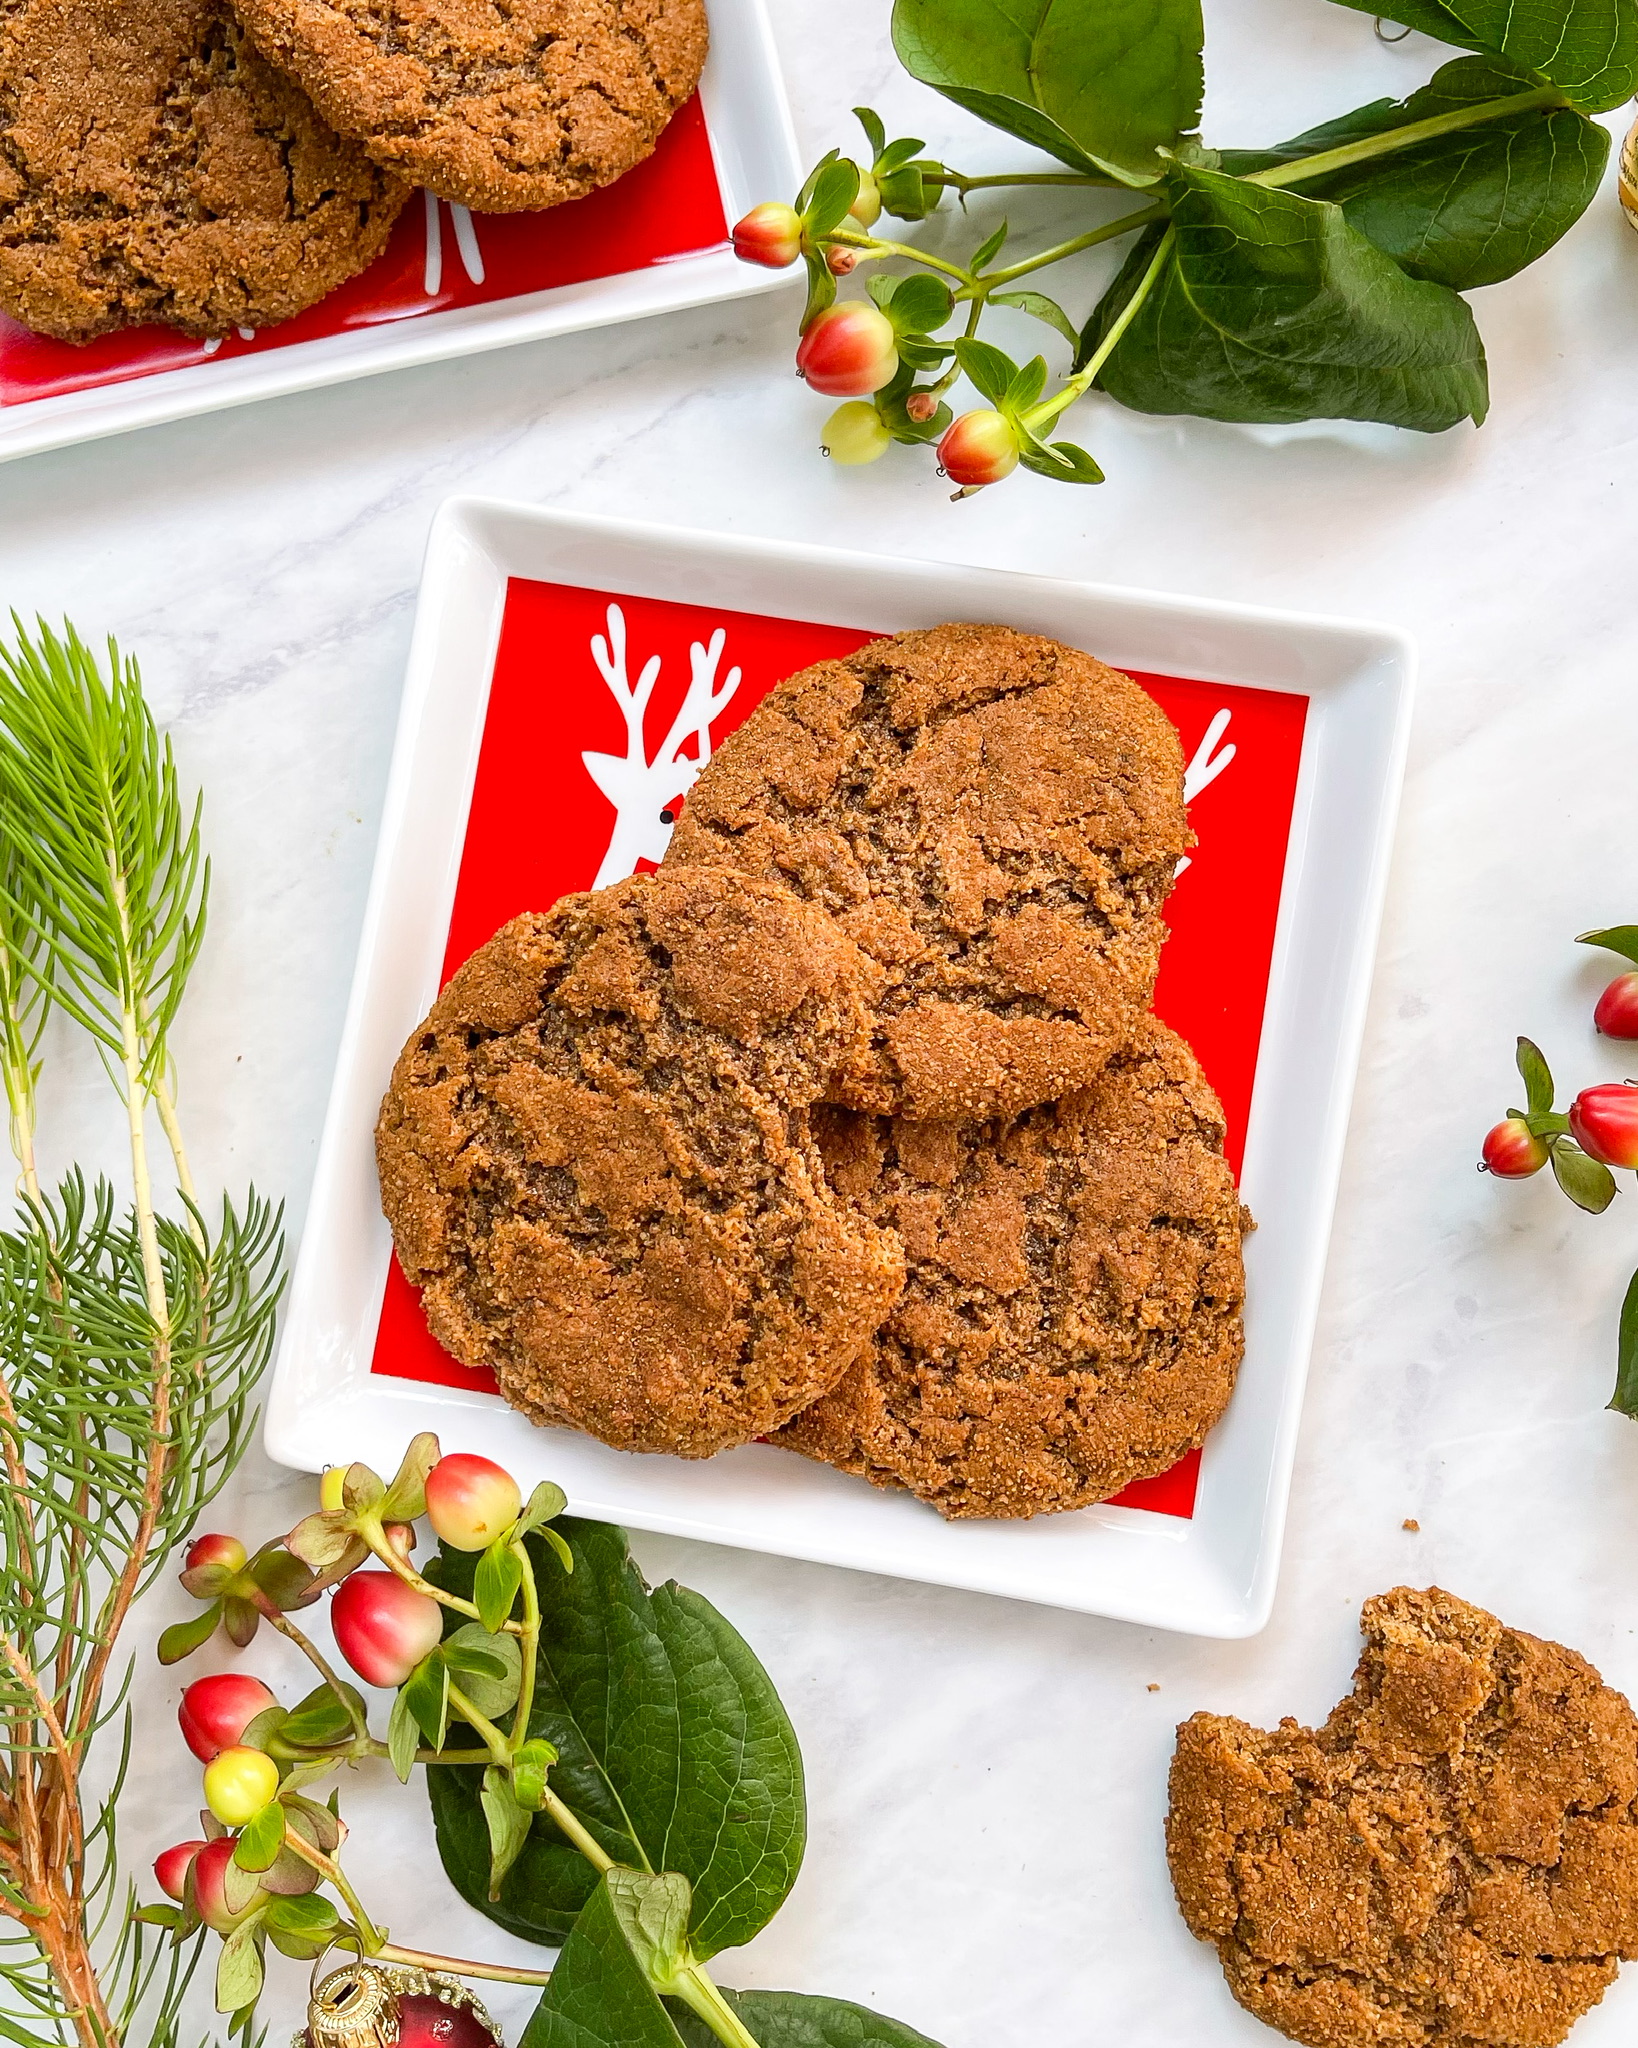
(130, 1339)
(1319, 278)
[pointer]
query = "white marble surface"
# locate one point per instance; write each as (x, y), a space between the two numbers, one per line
(987, 1780)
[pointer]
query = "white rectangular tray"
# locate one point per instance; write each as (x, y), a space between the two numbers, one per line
(1213, 1575)
(754, 149)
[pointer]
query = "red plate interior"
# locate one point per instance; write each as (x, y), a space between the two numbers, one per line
(440, 257)
(540, 827)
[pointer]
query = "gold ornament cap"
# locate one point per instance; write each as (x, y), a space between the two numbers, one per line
(355, 2008)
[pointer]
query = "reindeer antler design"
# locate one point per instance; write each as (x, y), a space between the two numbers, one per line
(638, 787)
(1206, 765)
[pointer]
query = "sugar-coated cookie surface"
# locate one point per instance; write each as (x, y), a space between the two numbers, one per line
(596, 1158)
(996, 819)
(154, 167)
(1071, 1319)
(503, 105)
(1450, 1862)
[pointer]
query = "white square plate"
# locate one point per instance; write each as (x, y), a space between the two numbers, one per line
(1209, 1574)
(753, 149)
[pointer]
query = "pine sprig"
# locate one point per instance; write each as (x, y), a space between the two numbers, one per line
(129, 1340)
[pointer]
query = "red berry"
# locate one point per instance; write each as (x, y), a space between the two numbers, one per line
(979, 448)
(215, 1712)
(383, 1627)
(1604, 1122)
(171, 1868)
(1616, 1014)
(221, 1550)
(1513, 1150)
(849, 351)
(210, 1868)
(470, 1500)
(842, 261)
(770, 234)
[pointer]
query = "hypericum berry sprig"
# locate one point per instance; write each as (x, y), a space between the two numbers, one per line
(1320, 278)
(1598, 1132)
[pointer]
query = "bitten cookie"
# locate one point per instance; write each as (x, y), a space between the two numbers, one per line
(153, 167)
(503, 105)
(1452, 1860)
(596, 1160)
(1071, 1317)
(996, 820)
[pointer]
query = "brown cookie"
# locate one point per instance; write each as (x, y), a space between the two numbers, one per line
(996, 819)
(1450, 1862)
(596, 1159)
(153, 167)
(1071, 1317)
(504, 105)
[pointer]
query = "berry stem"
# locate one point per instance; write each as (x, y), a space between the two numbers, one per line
(958, 182)
(588, 1845)
(696, 1990)
(320, 1663)
(530, 1646)
(1109, 232)
(375, 1536)
(458, 1966)
(370, 1937)
(500, 1751)
(1043, 415)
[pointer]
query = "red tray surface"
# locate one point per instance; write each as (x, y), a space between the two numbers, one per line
(540, 827)
(439, 258)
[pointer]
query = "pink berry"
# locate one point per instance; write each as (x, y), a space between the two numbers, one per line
(215, 1712)
(1513, 1151)
(226, 1551)
(383, 1627)
(770, 234)
(400, 1538)
(920, 406)
(210, 1866)
(171, 1868)
(849, 351)
(470, 1500)
(1604, 1122)
(979, 448)
(1616, 1014)
(842, 262)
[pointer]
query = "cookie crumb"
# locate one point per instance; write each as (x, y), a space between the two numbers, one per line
(1413, 1526)
(1153, 1687)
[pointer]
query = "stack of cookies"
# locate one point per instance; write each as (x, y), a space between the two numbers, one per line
(851, 1126)
(213, 164)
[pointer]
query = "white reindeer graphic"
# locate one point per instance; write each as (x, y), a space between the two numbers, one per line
(640, 788)
(1206, 765)
(466, 244)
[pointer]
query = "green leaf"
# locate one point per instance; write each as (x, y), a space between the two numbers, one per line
(906, 193)
(403, 1738)
(1587, 48)
(508, 1824)
(1537, 1077)
(834, 191)
(182, 1638)
(674, 1753)
(262, 1839)
(326, 1539)
(1466, 209)
(545, 1504)
(427, 1692)
(916, 305)
(598, 1996)
(1063, 462)
(1587, 1182)
(317, 1824)
(1103, 85)
(821, 293)
(406, 1497)
(1625, 1398)
(988, 369)
(530, 1769)
(320, 1719)
(1027, 386)
(652, 1909)
(791, 2019)
(1041, 308)
(1270, 307)
(875, 133)
(500, 1574)
(239, 1971)
(285, 1580)
(490, 1668)
(160, 1916)
(989, 248)
(1615, 938)
(361, 1487)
